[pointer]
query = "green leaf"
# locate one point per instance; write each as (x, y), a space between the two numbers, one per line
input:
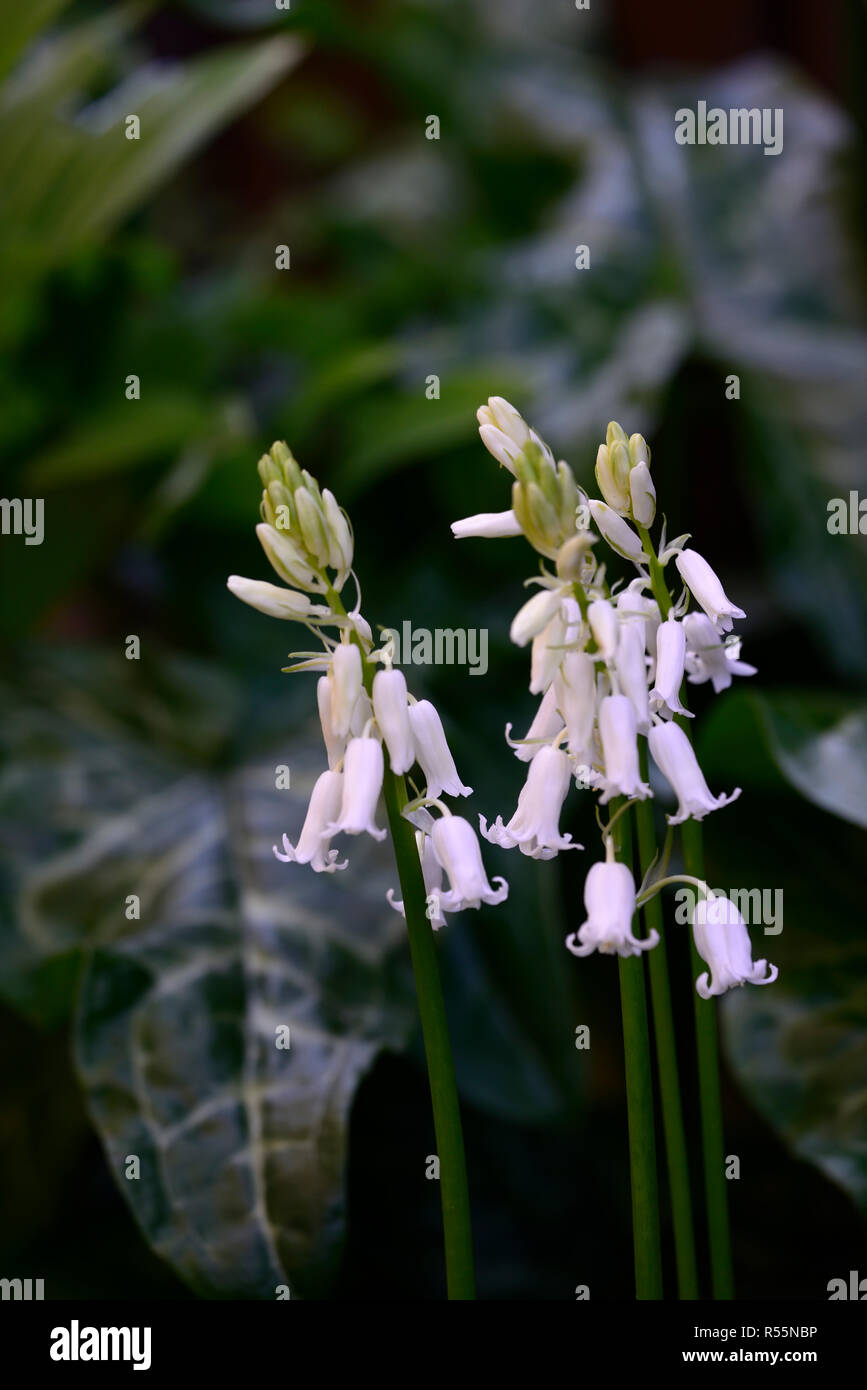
(732, 744)
(179, 110)
(799, 1046)
(121, 437)
(67, 182)
(242, 1144)
(821, 747)
(800, 1051)
(22, 24)
(816, 741)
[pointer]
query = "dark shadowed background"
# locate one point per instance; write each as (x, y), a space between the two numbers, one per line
(150, 1038)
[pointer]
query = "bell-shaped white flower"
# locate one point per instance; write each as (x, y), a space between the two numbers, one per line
(534, 826)
(547, 722)
(347, 682)
(706, 589)
(602, 618)
(670, 659)
(708, 658)
(363, 767)
(631, 667)
(574, 695)
(433, 753)
(432, 872)
(723, 942)
(489, 525)
(618, 730)
(609, 900)
(673, 754)
(277, 602)
(312, 847)
(534, 616)
(391, 709)
(617, 532)
(335, 744)
(642, 495)
(458, 851)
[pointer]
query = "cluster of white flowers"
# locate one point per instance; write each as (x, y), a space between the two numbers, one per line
(308, 540)
(608, 667)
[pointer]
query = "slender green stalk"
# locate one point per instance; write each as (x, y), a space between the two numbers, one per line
(666, 1055)
(639, 1106)
(454, 1193)
(457, 1231)
(657, 574)
(712, 1139)
(707, 1044)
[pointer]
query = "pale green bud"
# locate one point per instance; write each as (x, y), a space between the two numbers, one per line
(311, 521)
(615, 495)
(278, 508)
(572, 556)
(639, 449)
(278, 465)
(642, 494)
(287, 557)
(269, 471)
(570, 496)
(618, 455)
(623, 475)
(543, 512)
(339, 534)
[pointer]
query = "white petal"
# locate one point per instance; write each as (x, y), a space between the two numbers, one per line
(617, 532)
(534, 616)
(363, 768)
(487, 524)
(706, 589)
(346, 675)
(433, 752)
(391, 708)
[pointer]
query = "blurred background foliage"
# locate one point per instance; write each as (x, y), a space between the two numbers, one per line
(409, 257)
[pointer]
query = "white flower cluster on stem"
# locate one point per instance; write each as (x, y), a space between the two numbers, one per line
(608, 667)
(363, 703)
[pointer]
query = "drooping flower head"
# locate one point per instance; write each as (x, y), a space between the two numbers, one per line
(371, 724)
(608, 666)
(609, 900)
(723, 942)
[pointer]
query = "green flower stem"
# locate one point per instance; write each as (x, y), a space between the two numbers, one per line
(666, 1055)
(657, 573)
(707, 1043)
(454, 1194)
(712, 1139)
(457, 1230)
(639, 1107)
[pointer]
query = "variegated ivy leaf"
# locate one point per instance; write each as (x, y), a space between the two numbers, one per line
(200, 958)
